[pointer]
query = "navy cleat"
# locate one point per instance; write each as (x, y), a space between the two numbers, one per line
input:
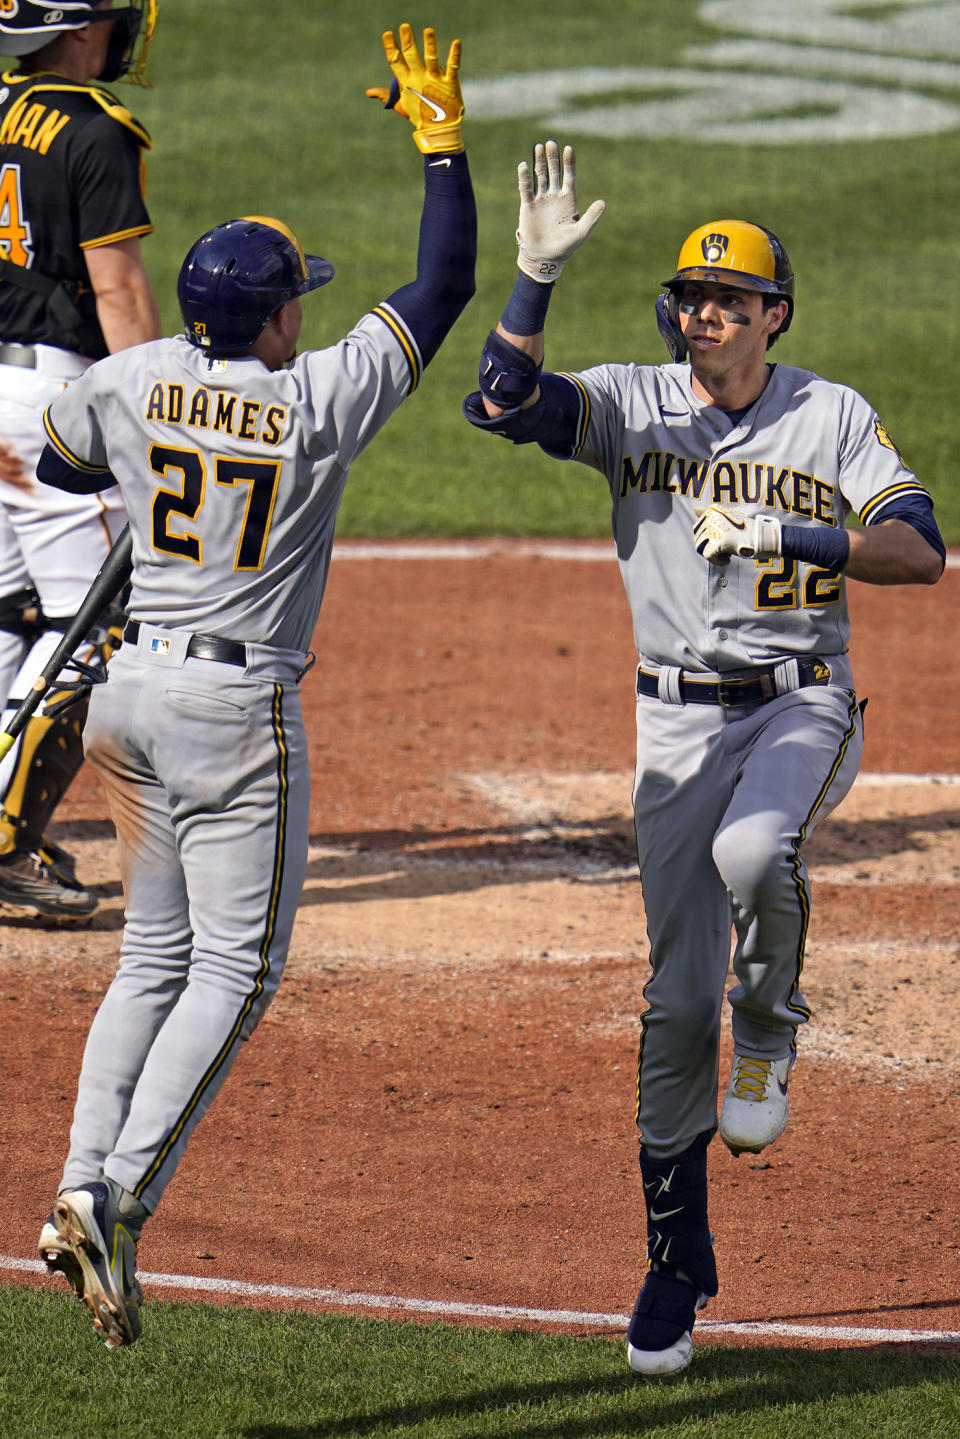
(659, 1339)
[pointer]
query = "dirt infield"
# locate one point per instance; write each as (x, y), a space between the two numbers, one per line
(439, 1103)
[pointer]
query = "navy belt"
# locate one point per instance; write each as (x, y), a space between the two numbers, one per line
(201, 647)
(754, 689)
(24, 355)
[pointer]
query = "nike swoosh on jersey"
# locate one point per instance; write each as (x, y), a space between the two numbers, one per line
(435, 165)
(438, 113)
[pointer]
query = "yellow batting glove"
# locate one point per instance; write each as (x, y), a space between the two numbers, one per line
(429, 97)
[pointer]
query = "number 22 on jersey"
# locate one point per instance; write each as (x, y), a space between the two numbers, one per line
(783, 585)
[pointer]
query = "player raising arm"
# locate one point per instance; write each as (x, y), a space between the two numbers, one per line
(231, 455)
(731, 480)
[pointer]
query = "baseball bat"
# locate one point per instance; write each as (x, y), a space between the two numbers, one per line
(109, 581)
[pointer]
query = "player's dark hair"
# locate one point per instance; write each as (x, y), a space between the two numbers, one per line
(768, 303)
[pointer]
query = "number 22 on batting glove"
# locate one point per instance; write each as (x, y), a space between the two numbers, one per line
(720, 533)
(429, 97)
(551, 226)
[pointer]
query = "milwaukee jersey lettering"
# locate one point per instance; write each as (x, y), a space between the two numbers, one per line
(808, 451)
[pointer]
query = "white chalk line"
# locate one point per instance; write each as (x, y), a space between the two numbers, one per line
(588, 551)
(892, 779)
(349, 1299)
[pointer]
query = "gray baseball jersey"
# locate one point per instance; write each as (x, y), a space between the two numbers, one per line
(809, 451)
(232, 475)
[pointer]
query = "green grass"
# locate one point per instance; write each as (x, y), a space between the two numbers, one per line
(264, 111)
(205, 1372)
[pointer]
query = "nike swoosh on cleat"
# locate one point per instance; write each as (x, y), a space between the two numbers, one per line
(665, 1214)
(438, 113)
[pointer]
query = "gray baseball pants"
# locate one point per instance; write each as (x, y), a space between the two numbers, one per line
(723, 801)
(205, 767)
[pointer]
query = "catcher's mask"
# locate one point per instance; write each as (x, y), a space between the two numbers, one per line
(726, 252)
(237, 275)
(28, 25)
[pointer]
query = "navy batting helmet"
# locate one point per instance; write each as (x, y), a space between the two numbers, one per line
(237, 275)
(28, 25)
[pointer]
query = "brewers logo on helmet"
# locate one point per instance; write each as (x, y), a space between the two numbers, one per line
(726, 252)
(236, 275)
(28, 25)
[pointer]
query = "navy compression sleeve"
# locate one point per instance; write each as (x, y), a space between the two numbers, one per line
(916, 510)
(446, 257)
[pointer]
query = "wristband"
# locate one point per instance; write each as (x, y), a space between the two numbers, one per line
(526, 311)
(816, 545)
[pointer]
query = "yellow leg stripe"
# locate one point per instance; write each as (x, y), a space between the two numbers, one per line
(265, 943)
(797, 879)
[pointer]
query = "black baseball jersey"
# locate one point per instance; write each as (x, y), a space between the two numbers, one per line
(71, 178)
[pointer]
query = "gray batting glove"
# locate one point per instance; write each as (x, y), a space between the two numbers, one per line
(551, 227)
(720, 533)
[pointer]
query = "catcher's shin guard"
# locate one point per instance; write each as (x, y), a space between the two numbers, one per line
(678, 1232)
(49, 756)
(49, 751)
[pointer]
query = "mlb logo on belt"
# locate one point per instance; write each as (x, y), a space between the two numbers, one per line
(159, 646)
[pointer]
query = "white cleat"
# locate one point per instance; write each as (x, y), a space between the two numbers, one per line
(88, 1241)
(756, 1107)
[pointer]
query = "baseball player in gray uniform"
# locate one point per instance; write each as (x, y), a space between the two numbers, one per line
(231, 456)
(731, 480)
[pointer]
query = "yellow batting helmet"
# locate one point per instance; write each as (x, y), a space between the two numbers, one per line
(736, 252)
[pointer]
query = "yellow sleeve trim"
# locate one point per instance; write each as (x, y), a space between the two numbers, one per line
(393, 324)
(584, 411)
(906, 487)
(66, 452)
(102, 240)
